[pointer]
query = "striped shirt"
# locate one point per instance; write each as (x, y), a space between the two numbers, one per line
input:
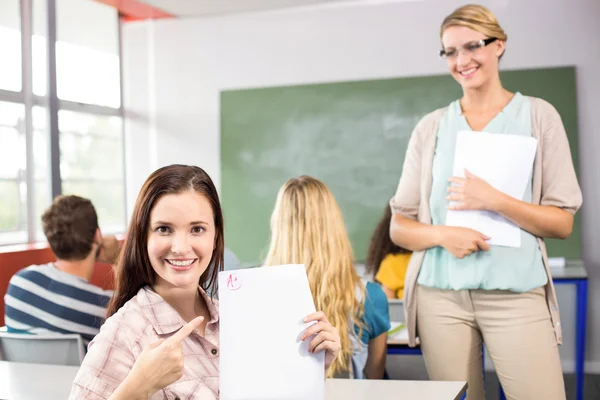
(43, 299)
(143, 320)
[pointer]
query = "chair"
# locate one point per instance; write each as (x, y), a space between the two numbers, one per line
(396, 310)
(49, 348)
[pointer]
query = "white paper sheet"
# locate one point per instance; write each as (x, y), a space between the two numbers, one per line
(504, 161)
(398, 331)
(261, 321)
(557, 262)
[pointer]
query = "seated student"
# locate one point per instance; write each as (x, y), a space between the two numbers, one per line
(58, 297)
(386, 261)
(307, 228)
(161, 338)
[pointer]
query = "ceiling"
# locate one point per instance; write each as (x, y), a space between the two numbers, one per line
(200, 8)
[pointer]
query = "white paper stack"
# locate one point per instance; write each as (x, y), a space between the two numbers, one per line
(505, 162)
(261, 321)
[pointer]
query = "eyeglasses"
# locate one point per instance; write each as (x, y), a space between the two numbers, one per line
(467, 48)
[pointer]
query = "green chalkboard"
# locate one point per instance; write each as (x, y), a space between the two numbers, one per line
(351, 135)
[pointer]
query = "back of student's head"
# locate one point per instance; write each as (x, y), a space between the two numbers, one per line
(307, 228)
(70, 225)
(134, 269)
(381, 243)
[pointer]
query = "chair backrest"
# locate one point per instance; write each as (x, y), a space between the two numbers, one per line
(50, 348)
(396, 308)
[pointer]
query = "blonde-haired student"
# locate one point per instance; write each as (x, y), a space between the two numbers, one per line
(307, 228)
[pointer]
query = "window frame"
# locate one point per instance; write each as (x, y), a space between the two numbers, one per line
(53, 105)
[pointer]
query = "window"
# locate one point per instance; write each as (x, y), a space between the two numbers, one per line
(86, 107)
(91, 148)
(10, 43)
(13, 210)
(41, 170)
(87, 52)
(13, 182)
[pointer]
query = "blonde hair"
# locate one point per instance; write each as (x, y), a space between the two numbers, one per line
(307, 228)
(477, 18)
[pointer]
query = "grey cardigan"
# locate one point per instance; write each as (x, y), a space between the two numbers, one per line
(554, 184)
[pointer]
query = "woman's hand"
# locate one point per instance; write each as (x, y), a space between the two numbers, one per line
(463, 241)
(159, 365)
(326, 337)
(472, 193)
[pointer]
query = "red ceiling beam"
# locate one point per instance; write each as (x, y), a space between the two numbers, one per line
(132, 10)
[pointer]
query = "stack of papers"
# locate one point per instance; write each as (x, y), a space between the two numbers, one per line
(261, 320)
(398, 332)
(505, 162)
(557, 262)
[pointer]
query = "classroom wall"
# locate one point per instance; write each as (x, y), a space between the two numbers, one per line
(174, 69)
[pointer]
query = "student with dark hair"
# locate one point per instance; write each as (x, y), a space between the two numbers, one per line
(386, 261)
(58, 296)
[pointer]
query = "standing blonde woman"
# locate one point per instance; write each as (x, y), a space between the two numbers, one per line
(307, 228)
(459, 289)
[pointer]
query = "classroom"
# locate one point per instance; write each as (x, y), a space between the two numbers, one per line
(97, 95)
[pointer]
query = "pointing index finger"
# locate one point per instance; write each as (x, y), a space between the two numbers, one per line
(185, 331)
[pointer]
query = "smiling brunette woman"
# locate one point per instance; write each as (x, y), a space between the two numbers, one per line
(161, 340)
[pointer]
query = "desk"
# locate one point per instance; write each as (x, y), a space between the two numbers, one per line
(350, 389)
(20, 381)
(574, 273)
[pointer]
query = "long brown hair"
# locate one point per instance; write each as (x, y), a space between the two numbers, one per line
(381, 244)
(133, 270)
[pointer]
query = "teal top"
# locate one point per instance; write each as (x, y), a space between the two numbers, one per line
(376, 321)
(506, 268)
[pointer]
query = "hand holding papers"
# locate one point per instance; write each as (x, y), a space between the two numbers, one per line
(505, 162)
(262, 313)
(322, 336)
